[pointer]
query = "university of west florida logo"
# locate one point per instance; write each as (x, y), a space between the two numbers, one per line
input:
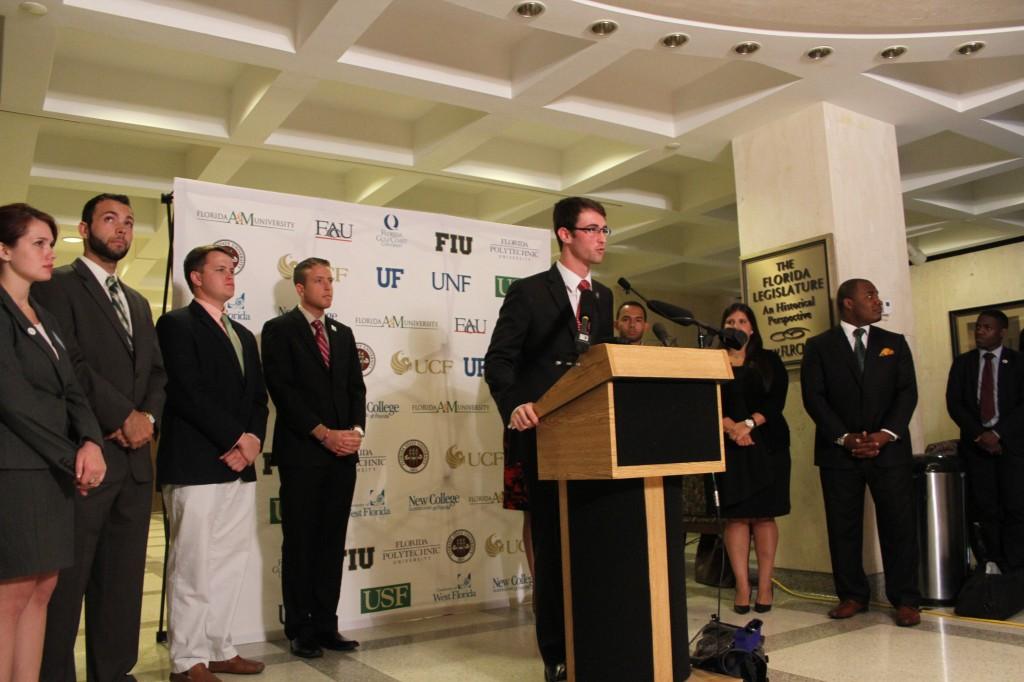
(235, 308)
(388, 278)
(385, 598)
(453, 243)
(336, 231)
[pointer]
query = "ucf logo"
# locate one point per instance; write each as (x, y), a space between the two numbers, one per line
(286, 268)
(456, 458)
(495, 546)
(400, 364)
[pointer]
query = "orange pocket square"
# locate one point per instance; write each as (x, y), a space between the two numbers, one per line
(886, 352)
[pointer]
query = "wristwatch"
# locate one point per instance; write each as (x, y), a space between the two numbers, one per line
(359, 429)
(749, 422)
(841, 440)
(151, 418)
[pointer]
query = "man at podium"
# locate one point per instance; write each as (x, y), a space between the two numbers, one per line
(546, 320)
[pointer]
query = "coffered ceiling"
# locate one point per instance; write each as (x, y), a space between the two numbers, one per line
(467, 108)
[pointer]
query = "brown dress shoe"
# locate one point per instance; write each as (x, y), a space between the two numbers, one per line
(197, 673)
(847, 609)
(237, 666)
(907, 616)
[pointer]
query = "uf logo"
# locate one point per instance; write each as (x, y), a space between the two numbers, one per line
(387, 278)
(474, 367)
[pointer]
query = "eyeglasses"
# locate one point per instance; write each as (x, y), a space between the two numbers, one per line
(606, 231)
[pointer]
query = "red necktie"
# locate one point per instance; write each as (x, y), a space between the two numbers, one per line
(321, 342)
(584, 285)
(987, 400)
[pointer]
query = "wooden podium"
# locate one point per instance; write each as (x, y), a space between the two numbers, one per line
(616, 432)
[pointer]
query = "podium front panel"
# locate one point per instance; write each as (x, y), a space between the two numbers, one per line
(666, 422)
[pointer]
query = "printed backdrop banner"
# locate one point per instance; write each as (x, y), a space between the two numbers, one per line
(421, 292)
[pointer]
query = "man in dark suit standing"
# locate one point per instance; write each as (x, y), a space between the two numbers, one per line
(859, 387)
(985, 397)
(316, 382)
(214, 424)
(108, 329)
(533, 344)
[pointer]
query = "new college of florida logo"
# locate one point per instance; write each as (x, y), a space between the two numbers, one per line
(236, 252)
(453, 243)
(413, 456)
(367, 359)
(385, 598)
(460, 546)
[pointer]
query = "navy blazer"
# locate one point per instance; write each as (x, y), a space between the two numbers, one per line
(44, 415)
(840, 399)
(307, 393)
(210, 402)
(962, 399)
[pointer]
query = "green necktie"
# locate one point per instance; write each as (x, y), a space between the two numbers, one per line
(858, 347)
(236, 343)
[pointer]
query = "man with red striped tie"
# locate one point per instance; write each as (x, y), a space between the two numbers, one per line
(315, 379)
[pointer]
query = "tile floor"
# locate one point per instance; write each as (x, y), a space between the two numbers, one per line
(803, 645)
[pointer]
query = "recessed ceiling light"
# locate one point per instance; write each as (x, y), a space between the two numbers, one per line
(675, 40)
(72, 240)
(749, 47)
(529, 10)
(893, 52)
(819, 52)
(35, 8)
(970, 48)
(604, 28)
(672, 146)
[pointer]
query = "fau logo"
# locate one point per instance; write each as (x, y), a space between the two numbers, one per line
(458, 243)
(473, 367)
(387, 278)
(328, 229)
(470, 325)
(442, 281)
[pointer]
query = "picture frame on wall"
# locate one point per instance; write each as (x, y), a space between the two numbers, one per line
(961, 325)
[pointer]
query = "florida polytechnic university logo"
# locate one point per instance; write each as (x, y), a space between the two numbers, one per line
(460, 546)
(235, 250)
(413, 456)
(367, 358)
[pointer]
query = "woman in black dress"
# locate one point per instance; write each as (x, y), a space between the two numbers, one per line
(755, 486)
(49, 443)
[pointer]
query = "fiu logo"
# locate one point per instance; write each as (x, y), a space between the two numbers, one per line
(501, 285)
(235, 250)
(460, 546)
(413, 456)
(337, 232)
(454, 243)
(387, 278)
(286, 268)
(358, 558)
(473, 367)
(470, 325)
(385, 598)
(495, 546)
(443, 281)
(488, 458)
(367, 358)
(400, 364)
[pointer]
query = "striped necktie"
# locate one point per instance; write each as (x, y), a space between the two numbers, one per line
(236, 343)
(321, 342)
(115, 299)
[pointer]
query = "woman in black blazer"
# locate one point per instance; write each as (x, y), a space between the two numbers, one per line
(755, 485)
(49, 443)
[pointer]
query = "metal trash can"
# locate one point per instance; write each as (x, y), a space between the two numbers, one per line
(941, 527)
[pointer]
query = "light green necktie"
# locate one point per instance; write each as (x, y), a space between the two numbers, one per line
(236, 343)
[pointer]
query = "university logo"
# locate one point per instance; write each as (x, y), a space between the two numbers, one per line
(450, 407)
(411, 551)
(440, 501)
(367, 358)
(359, 558)
(387, 278)
(462, 589)
(495, 546)
(494, 498)
(376, 505)
(336, 232)
(460, 546)
(381, 410)
(486, 458)
(501, 285)
(275, 510)
(443, 281)
(413, 456)
(514, 249)
(401, 364)
(369, 462)
(246, 218)
(470, 325)
(389, 235)
(286, 268)
(473, 367)
(511, 583)
(394, 322)
(235, 308)
(235, 249)
(453, 243)
(385, 598)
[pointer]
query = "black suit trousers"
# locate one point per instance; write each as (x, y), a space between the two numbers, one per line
(995, 494)
(892, 489)
(111, 533)
(315, 507)
(547, 564)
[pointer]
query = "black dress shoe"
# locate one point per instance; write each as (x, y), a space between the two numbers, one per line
(555, 672)
(336, 641)
(304, 647)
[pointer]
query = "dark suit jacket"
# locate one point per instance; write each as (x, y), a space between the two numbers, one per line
(841, 400)
(117, 377)
(210, 403)
(305, 392)
(962, 399)
(44, 415)
(536, 327)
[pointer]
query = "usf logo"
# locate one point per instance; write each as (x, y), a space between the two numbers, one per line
(275, 510)
(385, 598)
(501, 285)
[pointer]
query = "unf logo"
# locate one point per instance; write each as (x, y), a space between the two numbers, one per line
(443, 281)
(387, 278)
(460, 546)
(455, 243)
(413, 456)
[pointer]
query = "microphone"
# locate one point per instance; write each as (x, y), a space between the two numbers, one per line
(624, 283)
(671, 312)
(587, 305)
(732, 338)
(663, 336)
